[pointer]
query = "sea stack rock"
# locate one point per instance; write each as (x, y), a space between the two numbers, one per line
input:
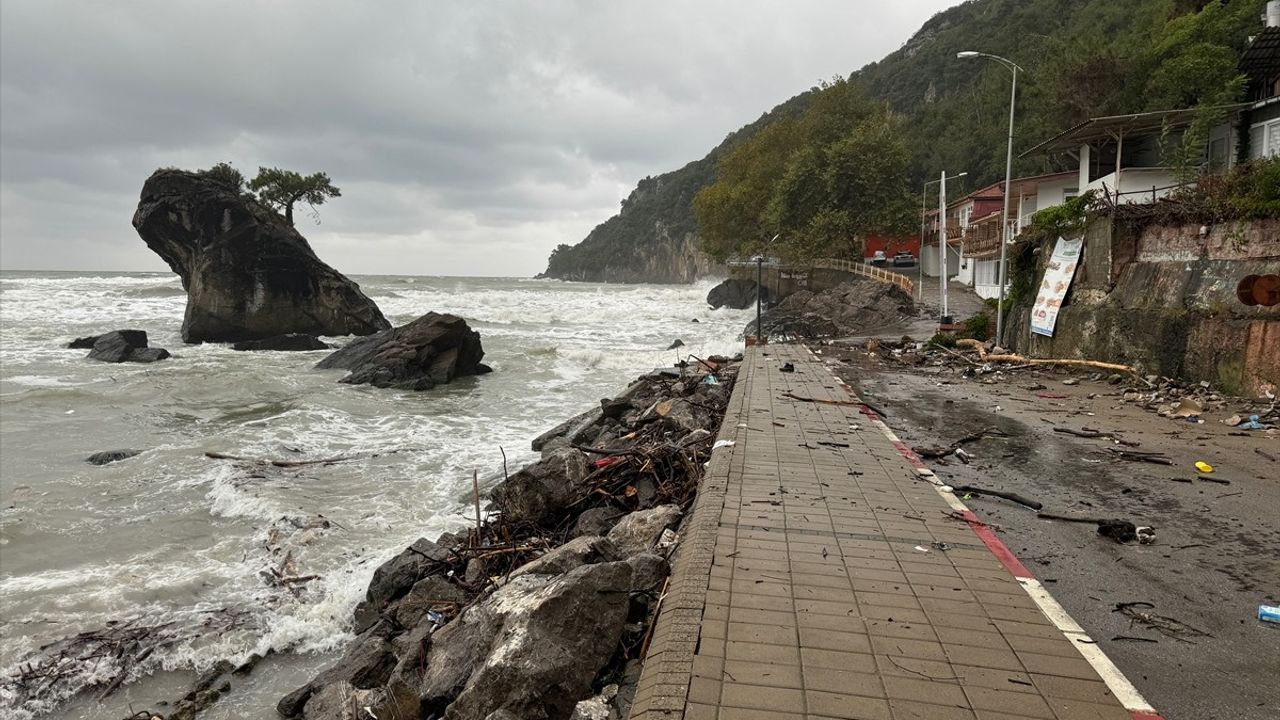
(430, 351)
(735, 293)
(248, 274)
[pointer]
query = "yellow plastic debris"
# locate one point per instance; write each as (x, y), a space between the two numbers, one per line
(1204, 467)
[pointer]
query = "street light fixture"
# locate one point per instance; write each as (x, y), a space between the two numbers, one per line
(1008, 177)
(920, 261)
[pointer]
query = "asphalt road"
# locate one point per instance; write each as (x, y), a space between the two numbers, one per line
(1217, 551)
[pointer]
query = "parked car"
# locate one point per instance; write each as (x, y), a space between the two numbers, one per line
(904, 258)
(878, 258)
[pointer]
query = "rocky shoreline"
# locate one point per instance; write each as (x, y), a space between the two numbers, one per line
(544, 609)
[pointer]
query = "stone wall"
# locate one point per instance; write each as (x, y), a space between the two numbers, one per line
(1162, 298)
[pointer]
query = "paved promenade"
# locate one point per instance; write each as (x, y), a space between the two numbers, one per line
(821, 577)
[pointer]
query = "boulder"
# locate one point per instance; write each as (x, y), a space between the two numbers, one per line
(735, 293)
(427, 593)
(596, 521)
(124, 346)
(430, 351)
(367, 663)
(541, 492)
(577, 552)
(552, 643)
(637, 532)
(247, 272)
(682, 415)
(395, 577)
(135, 338)
(292, 342)
(648, 570)
(109, 456)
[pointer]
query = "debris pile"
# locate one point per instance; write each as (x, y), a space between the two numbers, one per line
(854, 307)
(548, 602)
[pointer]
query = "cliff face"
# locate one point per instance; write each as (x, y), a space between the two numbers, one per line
(653, 238)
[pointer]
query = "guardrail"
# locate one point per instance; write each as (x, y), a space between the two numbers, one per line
(854, 267)
(866, 270)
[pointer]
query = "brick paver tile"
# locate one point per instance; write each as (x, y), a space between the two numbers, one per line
(808, 585)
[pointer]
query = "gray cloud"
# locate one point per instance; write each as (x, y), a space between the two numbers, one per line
(468, 138)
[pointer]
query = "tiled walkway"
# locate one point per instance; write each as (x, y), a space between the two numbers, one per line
(820, 577)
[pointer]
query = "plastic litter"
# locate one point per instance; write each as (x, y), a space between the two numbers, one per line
(723, 443)
(1269, 613)
(1252, 424)
(1203, 466)
(710, 380)
(1188, 408)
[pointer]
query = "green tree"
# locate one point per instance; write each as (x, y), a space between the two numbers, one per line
(282, 189)
(225, 175)
(838, 171)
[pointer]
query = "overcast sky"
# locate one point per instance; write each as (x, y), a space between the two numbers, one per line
(468, 138)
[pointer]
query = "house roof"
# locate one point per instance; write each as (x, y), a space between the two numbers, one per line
(1023, 184)
(1262, 58)
(1107, 128)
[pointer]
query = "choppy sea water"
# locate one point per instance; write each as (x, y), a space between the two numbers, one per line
(174, 538)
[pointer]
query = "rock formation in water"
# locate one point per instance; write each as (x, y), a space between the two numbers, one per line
(430, 351)
(120, 346)
(735, 293)
(291, 342)
(248, 274)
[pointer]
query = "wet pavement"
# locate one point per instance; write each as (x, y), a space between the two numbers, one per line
(1217, 551)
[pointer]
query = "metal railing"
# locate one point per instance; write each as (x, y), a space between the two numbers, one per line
(866, 270)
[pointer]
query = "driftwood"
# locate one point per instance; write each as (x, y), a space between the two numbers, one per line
(1167, 626)
(1033, 504)
(278, 463)
(1091, 433)
(1139, 456)
(939, 451)
(1028, 362)
(822, 401)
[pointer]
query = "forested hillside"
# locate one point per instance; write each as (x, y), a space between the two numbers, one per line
(1082, 58)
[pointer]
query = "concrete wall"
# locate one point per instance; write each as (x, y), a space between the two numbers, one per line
(1163, 299)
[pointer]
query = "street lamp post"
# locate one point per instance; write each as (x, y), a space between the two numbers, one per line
(924, 191)
(759, 258)
(1008, 177)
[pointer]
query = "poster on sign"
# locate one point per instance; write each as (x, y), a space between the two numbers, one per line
(1057, 280)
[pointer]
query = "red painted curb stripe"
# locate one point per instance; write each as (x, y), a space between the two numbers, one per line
(1140, 715)
(996, 546)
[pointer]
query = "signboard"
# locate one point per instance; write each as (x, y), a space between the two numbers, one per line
(1057, 280)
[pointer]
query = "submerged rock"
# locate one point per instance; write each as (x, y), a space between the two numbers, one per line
(430, 351)
(247, 272)
(109, 456)
(288, 342)
(125, 346)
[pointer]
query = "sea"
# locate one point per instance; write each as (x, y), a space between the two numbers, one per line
(175, 551)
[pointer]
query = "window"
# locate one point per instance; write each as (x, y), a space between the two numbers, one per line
(1264, 139)
(1070, 192)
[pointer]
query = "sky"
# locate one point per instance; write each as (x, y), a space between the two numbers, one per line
(468, 138)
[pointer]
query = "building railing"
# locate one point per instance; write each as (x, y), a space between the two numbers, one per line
(866, 270)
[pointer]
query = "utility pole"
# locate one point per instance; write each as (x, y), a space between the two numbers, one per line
(942, 243)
